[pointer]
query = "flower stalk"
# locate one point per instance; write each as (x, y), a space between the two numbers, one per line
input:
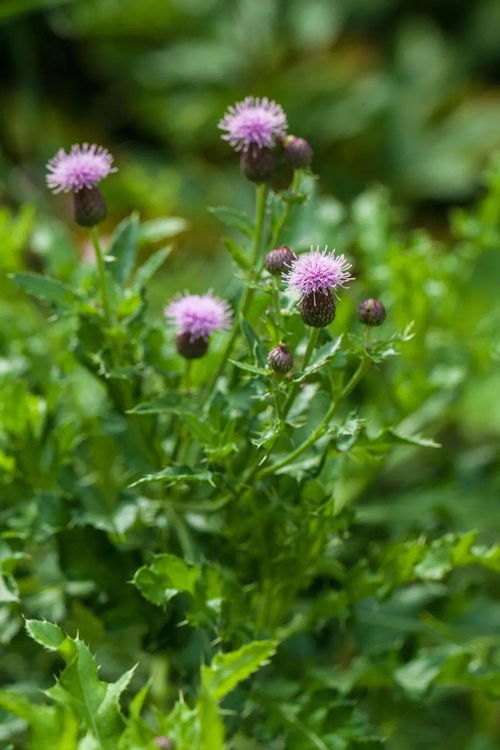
(101, 269)
(317, 433)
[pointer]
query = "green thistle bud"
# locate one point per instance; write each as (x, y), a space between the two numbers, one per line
(317, 309)
(371, 312)
(191, 348)
(280, 359)
(298, 152)
(279, 260)
(89, 208)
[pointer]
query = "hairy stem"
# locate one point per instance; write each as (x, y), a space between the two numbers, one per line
(94, 236)
(311, 345)
(286, 213)
(316, 434)
(248, 293)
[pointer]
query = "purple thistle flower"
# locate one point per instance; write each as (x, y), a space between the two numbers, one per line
(253, 122)
(199, 315)
(83, 167)
(318, 272)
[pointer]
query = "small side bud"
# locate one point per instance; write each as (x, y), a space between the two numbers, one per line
(89, 208)
(280, 359)
(298, 152)
(258, 164)
(317, 309)
(191, 348)
(279, 260)
(371, 312)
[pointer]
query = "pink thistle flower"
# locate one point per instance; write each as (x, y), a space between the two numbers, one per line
(83, 167)
(318, 272)
(253, 122)
(199, 315)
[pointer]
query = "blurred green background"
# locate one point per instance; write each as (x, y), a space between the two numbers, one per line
(403, 93)
(394, 91)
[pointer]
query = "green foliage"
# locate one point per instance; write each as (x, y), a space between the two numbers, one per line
(88, 715)
(308, 561)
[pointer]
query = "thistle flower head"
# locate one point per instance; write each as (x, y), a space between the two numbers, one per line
(83, 167)
(198, 315)
(253, 122)
(318, 272)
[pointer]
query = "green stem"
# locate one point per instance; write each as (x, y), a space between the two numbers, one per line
(276, 395)
(316, 434)
(94, 236)
(282, 412)
(278, 319)
(187, 375)
(182, 532)
(120, 390)
(311, 345)
(248, 293)
(286, 213)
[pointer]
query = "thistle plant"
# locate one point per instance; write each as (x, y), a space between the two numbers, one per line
(202, 490)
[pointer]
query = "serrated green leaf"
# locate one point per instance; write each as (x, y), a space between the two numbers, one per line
(233, 218)
(148, 269)
(165, 577)
(227, 670)
(138, 733)
(254, 343)
(51, 726)
(46, 289)
(163, 228)
(123, 248)
(174, 475)
(250, 368)
(416, 676)
(320, 358)
(413, 439)
(94, 702)
(46, 634)
(168, 403)
(267, 436)
(236, 253)
(16, 704)
(8, 593)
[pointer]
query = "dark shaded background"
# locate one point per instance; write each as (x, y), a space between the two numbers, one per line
(402, 93)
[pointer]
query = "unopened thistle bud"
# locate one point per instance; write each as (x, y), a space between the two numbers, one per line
(298, 152)
(258, 164)
(280, 359)
(371, 312)
(279, 260)
(89, 208)
(317, 308)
